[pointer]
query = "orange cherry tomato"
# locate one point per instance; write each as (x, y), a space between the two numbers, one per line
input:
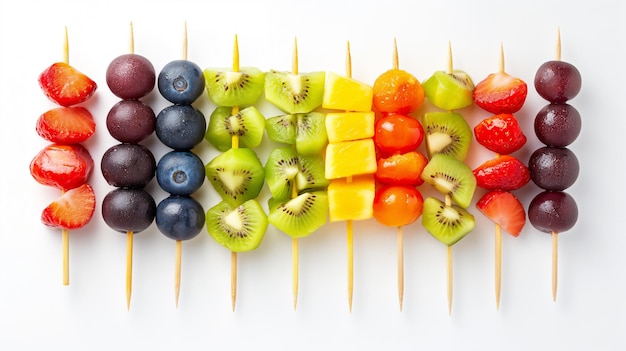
(397, 205)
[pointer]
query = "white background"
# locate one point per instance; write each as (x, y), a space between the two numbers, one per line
(37, 311)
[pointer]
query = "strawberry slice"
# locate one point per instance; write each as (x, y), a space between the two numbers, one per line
(502, 173)
(504, 209)
(500, 93)
(500, 133)
(65, 85)
(72, 210)
(66, 125)
(62, 166)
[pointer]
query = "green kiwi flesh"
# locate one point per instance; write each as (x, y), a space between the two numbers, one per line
(285, 169)
(295, 93)
(449, 91)
(238, 228)
(451, 177)
(227, 88)
(307, 131)
(447, 133)
(300, 216)
(237, 175)
(248, 125)
(448, 224)
(282, 129)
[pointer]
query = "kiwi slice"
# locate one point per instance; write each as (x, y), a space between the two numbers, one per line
(285, 169)
(307, 131)
(447, 224)
(295, 93)
(447, 133)
(449, 91)
(451, 177)
(237, 175)
(238, 228)
(300, 216)
(227, 88)
(282, 129)
(248, 124)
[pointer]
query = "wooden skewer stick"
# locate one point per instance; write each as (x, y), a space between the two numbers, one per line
(555, 235)
(448, 201)
(349, 224)
(65, 233)
(234, 145)
(129, 234)
(294, 194)
(498, 229)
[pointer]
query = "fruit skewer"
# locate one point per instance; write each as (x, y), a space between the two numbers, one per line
(129, 209)
(65, 164)
(554, 167)
(399, 166)
(503, 95)
(295, 174)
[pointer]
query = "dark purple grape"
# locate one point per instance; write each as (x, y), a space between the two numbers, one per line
(128, 165)
(180, 172)
(130, 76)
(180, 217)
(558, 125)
(553, 211)
(181, 82)
(553, 168)
(131, 121)
(127, 210)
(557, 81)
(180, 127)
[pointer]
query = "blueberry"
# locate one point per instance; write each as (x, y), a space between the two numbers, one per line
(127, 210)
(180, 172)
(179, 217)
(128, 165)
(181, 82)
(180, 127)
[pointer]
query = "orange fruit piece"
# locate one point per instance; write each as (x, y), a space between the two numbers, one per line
(397, 91)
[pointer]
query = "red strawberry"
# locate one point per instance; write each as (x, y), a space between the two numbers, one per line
(401, 169)
(504, 172)
(504, 209)
(500, 93)
(62, 166)
(66, 125)
(65, 85)
(500, 134)
(72, 210)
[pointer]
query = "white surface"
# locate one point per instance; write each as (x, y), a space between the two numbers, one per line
(36, 311)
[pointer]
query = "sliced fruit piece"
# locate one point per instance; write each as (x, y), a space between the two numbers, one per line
(448, 224)
(300, 216)
(500, 134)
(449, 91)
(346, 126)
(295, 93)
(500, 93)
(504, 172)
(451, 177)
(248, 124)
(311, 137)
(72, 210)
(62, 166)
(396, 133)
(397, 205)
(397, 91)
(282, 129)
(343, 93)
(65, 85)
(227, 88)
(238, 228)
(285, 168)
(401, 169)
(447, 133)
(351, 200)
(66, 125)
(504, 209)
(237, 175)
(349, 158)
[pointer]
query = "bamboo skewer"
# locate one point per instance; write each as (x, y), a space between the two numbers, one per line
(65, 233)
(294, 194)
(235, 145)
(349, 224)
(554, 234)
(129, 234)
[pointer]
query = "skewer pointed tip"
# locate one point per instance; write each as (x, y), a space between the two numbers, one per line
(395, 61)
(179, 254)
(233, 279)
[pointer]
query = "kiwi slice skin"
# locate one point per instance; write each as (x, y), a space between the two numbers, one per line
(451, 177)
(448, 224)
(248, 125)
(238, 228)
(237, 175)
(227, 88)
(447, 133)
(300, 216)
(285, 168)
(449, 91)
(295, 93)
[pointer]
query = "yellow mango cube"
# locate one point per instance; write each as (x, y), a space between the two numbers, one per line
(352, 200)
(343, 93)
(350, 158)
(349, 126)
